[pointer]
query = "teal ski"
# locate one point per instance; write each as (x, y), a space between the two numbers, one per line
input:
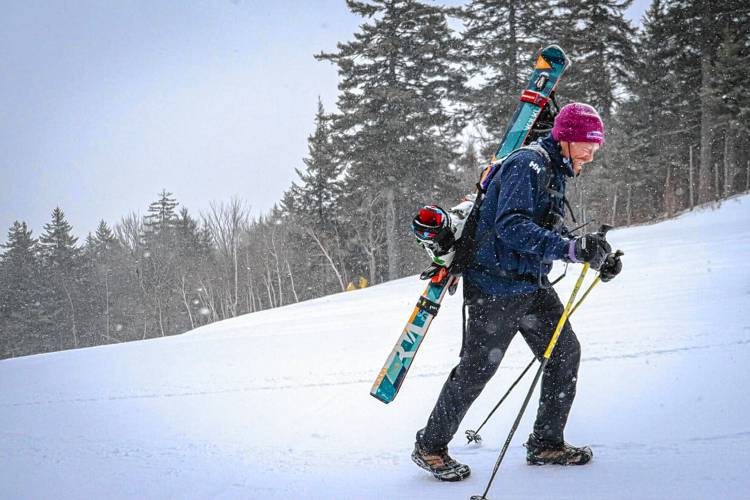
(535, 100)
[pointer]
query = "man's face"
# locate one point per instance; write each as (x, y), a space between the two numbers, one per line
(580, 153)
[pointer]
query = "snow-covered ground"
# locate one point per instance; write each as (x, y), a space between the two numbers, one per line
(276, 404)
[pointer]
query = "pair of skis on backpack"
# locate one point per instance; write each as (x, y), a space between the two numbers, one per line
(447, 236)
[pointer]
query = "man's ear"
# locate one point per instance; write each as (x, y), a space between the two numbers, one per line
(565, 148)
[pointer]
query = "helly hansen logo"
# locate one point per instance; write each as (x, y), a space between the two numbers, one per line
(536, 167)
(594, 134)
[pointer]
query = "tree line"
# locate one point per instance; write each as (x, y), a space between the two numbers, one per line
(425, 92)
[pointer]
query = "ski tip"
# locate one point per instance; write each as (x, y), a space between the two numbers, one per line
(380, 397)
(553, 54)
(379, 390)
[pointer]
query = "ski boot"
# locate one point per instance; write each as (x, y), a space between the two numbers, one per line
(541, 452)
(440, 464)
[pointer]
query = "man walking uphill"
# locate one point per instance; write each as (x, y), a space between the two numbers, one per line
(519, 234)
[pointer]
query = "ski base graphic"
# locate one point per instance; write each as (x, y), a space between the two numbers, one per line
(392, 374)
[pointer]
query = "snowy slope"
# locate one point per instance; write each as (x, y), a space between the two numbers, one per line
(276, 404)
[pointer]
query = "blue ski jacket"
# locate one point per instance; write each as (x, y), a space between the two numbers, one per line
(517, 239)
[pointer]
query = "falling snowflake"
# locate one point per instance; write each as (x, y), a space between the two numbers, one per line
(495, 355)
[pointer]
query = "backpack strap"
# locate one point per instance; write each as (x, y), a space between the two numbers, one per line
(489, 173)
(537, 148)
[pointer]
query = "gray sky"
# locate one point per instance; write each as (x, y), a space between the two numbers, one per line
(103, 104)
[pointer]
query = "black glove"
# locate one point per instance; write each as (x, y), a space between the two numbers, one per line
(611, 267)
(592, 248)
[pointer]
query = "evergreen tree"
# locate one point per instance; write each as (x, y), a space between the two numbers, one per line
(395, 128)
(20, 294)
(161, 218)
(20, 246)
(650, 156)
(107, 279)
(20, 255)
(309, 210)
(62, 268)
(57, 243)
(698, 27)
(102, 241)
(731, 72)
(501, 38)
(469, 167)
(600, 42)
(320, 181)
(159, 259)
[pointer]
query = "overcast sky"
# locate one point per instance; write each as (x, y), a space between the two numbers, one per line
(104, 104)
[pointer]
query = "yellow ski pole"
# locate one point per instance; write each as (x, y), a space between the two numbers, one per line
(545, 360)
(618, 254)
(585, 294)
(473, 436)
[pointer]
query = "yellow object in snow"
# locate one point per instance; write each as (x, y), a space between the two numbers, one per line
(361, 283)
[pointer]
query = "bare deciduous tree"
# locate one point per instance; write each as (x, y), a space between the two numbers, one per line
(226, 223)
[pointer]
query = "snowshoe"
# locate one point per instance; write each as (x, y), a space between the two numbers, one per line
(441, 465)
(541, 452)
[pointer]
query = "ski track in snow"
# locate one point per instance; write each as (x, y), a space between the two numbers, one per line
(271, 386)
(276, 404)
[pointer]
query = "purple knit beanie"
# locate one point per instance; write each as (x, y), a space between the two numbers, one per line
(578, 122)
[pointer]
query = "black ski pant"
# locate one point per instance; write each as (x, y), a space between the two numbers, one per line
(492, 323)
